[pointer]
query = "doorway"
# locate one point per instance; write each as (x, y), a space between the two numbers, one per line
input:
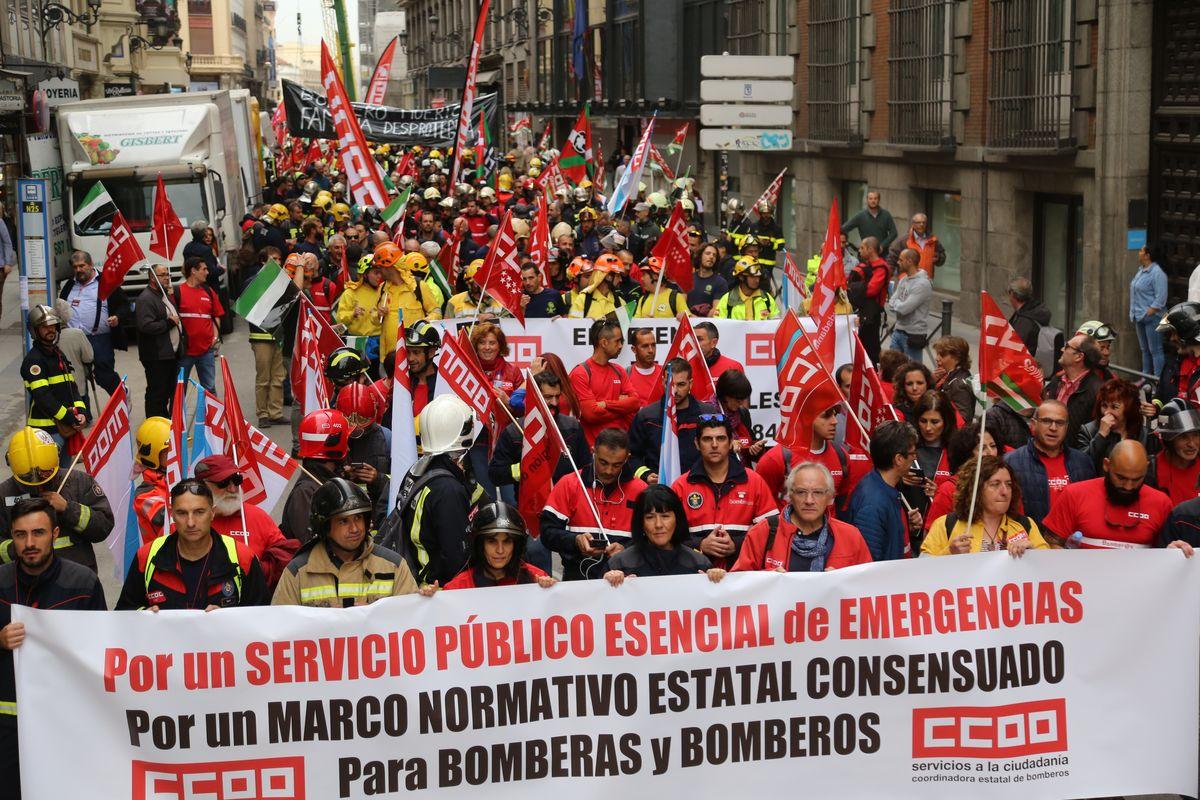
(1058, 257)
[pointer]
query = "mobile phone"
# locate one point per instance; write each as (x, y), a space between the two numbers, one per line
(598, 544)
(915, 469)
(359, 465)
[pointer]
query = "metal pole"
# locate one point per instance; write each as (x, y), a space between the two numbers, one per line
(947, 316)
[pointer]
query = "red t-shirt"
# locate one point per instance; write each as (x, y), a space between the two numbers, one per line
(1179, 484)
(1084, 507)
(1056, 476)
(648, 388)
(199, 309)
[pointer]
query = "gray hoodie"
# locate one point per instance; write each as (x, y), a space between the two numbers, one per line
(910, 303)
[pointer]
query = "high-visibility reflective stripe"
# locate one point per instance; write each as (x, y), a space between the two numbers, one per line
(62, 542)
(8, 708)
(318, 593)
(53, 379)
(39, 422)
(516, 471)
(186, 315)
(346, 590)
(85, 516)
(1110, 544)
(414, 533)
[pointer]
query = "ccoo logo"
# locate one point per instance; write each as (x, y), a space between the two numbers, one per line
(1019, 729)
(254, 779)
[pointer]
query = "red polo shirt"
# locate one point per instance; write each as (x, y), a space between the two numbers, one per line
(1084, 507)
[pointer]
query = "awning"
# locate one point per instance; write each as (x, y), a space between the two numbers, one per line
(486, 77)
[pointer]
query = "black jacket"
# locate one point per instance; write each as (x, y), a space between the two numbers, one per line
(957, 387)
(166, 588)
(63, 585)
(683, 560)
(1008, 428)
(1081, 405)
(1028, 320)
(435, 520)
(645, 436)
(87, 520)
(508, 451)
(118, 306)
(1097, 447)
(1183, 524)
(50, 381)
(295, 509)
(155, 341)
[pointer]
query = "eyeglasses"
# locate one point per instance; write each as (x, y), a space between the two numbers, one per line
(711, 418)
(1051, 423)
(805, 494)
(1071, 347)
(232, 480)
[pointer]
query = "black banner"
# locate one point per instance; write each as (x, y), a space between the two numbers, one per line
(308, 117)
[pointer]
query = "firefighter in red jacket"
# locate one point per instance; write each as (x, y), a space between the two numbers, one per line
(806, 538)
(150, 497)
(606, 399)
(723, 499)
(421, 343)
(195, 567)
(569, 522)
(244, 522)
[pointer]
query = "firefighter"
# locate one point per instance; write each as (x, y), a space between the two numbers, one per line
(49, 378)
(747, 300)
(324, 442)
(78, 501)
(150, 497)
(341, 566)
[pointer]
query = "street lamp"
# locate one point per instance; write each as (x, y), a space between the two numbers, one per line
(54, 15)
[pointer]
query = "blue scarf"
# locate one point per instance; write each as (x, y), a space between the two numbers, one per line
(814, 547)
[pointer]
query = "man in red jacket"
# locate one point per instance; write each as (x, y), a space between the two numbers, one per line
(605, 397)
(867, 290)
(806, 538)
(244, 522)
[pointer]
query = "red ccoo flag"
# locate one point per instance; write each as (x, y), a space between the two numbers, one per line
(770, 195)
(470, 91)
(540, 452)
(123, 253)
(362, 170)
(379, 79)
(805, 390)
(791, 271)
(686, 346)
(830, 278)
(165, 230)
(539, 242)
(500, 275)
(672, 248)
(865, 399)
(1006, 369)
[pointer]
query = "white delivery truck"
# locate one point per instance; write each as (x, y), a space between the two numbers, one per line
(191, 139)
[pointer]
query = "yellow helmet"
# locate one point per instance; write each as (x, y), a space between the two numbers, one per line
(414, 262)
(535, 163)
(323, 201)
(472, 268)
(33, 456)
(505, 182)
(278, 212)
(153, 437)
(435, 153)
(746, 266)
(341, 212)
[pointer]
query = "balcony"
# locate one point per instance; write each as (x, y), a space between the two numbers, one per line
(201, 7)
(217, 65)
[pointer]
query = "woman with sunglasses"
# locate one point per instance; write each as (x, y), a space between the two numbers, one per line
(660, 541)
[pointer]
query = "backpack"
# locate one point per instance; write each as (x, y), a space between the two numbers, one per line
(1049, 346)
(391, 533)
(856, 290)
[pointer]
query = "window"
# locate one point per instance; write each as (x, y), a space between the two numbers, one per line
(703, 34)
(624, 71)
(853, 199)
(919, 73)
(135, 198)
(1058, 256)
(757, 27)
(945, 222)
(833, 100)
(1029, 82)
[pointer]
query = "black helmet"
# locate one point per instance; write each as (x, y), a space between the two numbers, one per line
(496, 518)
(344, 365)
(1177, 418)
(1184, 319)
(422, 335)
(336, 498)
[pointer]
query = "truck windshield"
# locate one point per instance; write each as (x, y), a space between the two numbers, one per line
(135, 198)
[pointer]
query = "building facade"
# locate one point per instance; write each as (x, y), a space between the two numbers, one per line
(231, 43)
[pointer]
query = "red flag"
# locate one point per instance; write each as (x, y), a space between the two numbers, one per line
(448, 258)
(279, 125)
(656, 156)
(173, 463)
(680, 136)
(314, 336)
(551, 180)
(600, 177)
(362, 170)
(470, 90)
(577, 151)
(672, 248)
(540, 452)
(830, 278)
(806, 389)
(865, 400)
(1006, 369)
(238, 440)
(539, 241)
(500, 275)
(547, 134)
(791, 271)
(685, 346)
(379, 79)
(122, 254)
(457, 366)
(165, 229)
(314, 154)
(771, 193)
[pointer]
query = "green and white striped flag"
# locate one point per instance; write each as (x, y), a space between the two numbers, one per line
(624, 315)
(96, 208)
(268, 297)
(358, 343)
(395, 209)
(438, 276)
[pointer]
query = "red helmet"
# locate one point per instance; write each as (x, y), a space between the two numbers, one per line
(325, 435)
(357, 402)
(382, 389)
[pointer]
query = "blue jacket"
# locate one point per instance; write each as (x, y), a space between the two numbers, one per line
(876, 511)
(1031, 476)
(1148, 289)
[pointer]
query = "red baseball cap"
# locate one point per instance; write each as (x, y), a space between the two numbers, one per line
(215, 468)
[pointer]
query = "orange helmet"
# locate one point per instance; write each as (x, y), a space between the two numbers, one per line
(387, 255)
(578, 266)
(609, 263)
(293, 263)
(652, 264)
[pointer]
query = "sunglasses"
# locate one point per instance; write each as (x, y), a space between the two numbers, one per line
(711, 418)
(232, 480)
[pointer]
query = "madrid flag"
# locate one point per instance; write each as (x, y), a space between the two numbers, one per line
(672, 248)
(500, 275)
(122, 254)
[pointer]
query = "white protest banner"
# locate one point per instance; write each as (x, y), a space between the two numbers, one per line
(751, 344)
(1061, 674)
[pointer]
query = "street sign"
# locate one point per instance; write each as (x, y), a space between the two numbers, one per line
(745, 114)
(119, 89)
(59, 91)
(745, 91)
(33, 230)
(766, 139)
(747, 66)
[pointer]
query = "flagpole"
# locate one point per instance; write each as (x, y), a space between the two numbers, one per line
(978, 471)
(67, 474)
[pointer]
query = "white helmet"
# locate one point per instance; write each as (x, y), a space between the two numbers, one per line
(446, 425)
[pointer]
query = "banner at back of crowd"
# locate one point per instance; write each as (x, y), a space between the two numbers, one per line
(1062, 674)
(751, 344)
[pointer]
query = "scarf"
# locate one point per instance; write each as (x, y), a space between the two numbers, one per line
(816, 547)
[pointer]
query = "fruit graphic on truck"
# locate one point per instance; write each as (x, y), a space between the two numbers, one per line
(98, 151)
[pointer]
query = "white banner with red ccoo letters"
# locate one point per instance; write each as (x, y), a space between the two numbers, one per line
(1063, 674)
(751, 344)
